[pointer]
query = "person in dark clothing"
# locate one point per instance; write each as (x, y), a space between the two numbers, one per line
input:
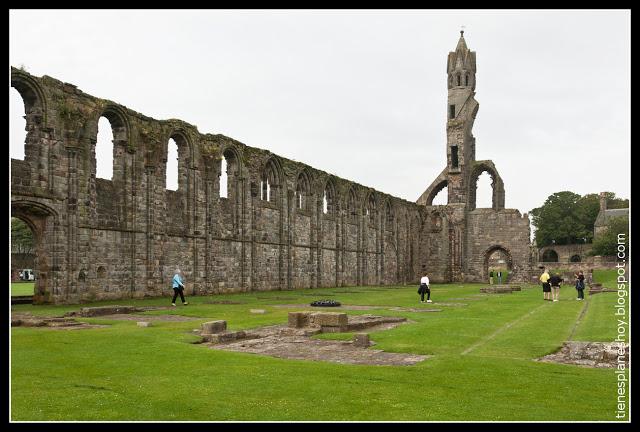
(178, 288)
(499, 277)
(555, 282)
(424, 289)
(580, 285)
(491, 277)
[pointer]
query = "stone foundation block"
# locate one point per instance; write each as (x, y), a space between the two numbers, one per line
(329, 319)
(361, 340)
(299, 319)
(213, 327)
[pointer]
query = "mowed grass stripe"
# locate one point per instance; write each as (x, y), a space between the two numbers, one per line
(500, 330)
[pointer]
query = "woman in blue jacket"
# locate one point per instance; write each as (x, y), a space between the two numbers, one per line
(178, 288)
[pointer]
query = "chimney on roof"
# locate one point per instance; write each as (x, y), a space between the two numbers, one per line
(603, 201)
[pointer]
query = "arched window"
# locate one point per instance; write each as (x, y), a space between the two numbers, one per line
(269, 183)
(371, 208)
(17, 125)
(228, 174)
(176, 168)
(328, 199)
(484, 191)
(111, 141)
(104, 149)
(458, 80)
(388, 213)
(224, 193)
(575, 258)
(28, 115)
(352, 213)
(302, 192)
(172, 166)
(466, 80)
(550, 256)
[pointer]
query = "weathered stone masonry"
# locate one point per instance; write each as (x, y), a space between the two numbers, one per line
(470, 234)
(120, 238)
(123, 237)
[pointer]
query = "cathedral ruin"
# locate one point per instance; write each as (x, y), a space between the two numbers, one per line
(277, 225)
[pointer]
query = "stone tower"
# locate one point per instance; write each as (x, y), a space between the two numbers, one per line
(459, 239)
(461, 113)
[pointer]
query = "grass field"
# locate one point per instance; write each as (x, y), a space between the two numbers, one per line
(21, 288)
(482, 367)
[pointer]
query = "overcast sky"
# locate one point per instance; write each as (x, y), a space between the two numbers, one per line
(361, 94)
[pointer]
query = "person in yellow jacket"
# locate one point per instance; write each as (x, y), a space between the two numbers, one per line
(546, 286)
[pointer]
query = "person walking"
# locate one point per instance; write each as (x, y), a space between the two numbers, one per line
(499, 277)
(424, 289)
(555, 282)
(546, 286)
(580, 285)
(178, 288)
(491, 277)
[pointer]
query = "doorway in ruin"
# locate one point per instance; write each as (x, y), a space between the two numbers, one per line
(40, 220)
(498, 258)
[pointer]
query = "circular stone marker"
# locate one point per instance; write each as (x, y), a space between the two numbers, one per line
(325, 303)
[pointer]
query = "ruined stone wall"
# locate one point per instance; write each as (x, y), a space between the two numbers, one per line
(124, 237)
(489, 230)
(565, 252)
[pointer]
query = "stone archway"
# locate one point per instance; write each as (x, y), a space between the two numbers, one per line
(498, 257)
(43, 223)
(549, 255)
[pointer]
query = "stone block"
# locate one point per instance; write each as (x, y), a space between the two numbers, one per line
(329, 319)
(299, 319)
(361, 340)
(213, 327)
(144, 324)
(257, 311)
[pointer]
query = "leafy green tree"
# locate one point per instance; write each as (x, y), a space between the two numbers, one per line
(607, 242)
(568, 218)
(557, 221)
(21, 237)
(586, 212)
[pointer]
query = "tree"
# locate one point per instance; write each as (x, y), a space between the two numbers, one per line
(564, 218)
(586, 212)
(607, 243)
(616, 203)
(21, 237)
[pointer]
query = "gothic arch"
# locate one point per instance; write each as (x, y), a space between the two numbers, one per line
(271, 180)
(369, 207)
(497, 184)
(185, 155)
(119, 121)
(329, 193)
(35, 103)
(234, 169)
(303, 191)
(435, 191)
(43, 222)
(549, 255)
(487, 255)
(350, 204)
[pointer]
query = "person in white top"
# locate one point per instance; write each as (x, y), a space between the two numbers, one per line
(424, 289)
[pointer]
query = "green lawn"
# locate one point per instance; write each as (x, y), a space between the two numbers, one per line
(482, 367)
(21, 288)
